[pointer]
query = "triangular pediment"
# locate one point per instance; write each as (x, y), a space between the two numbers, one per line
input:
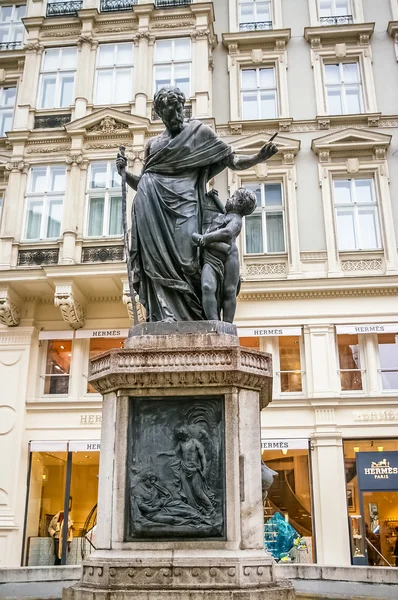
(254, 142)
(350, 139)
(107, 121)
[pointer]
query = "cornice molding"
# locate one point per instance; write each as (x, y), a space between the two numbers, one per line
(357, 33)
(244, 40)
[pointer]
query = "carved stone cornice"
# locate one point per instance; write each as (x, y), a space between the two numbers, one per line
(354, 33)
(17, 166)
(10, 313)
(246, 40)
(71, 302)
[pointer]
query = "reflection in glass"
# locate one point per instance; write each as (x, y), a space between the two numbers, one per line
(290, 364)
(388, 355)
(56, 380)
(349, 362)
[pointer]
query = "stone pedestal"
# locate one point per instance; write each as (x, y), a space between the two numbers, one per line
(180, 513)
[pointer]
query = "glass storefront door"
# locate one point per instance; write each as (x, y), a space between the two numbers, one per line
(381, 518)
(63, 484)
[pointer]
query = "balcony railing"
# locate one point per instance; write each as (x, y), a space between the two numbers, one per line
(43, 256)
(10, 45)
(61, 9)
(255, 25)
(342, 20)
(115, 5)
(171, 3)
(51, 121)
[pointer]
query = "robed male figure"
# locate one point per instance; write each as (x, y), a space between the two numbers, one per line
(168, 207)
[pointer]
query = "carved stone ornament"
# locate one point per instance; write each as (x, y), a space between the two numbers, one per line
(126, 298)
(16, 166)
(72, 310)
(10, 313)
(108, 125)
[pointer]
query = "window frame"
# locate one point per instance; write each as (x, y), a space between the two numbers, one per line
(105, 192)
(58, 78)
(258, 90)
(46, 198)
(44, 374)
(6, 108)
(173, 62)
(356, 8)
(343, 87)
(256, 19)
(114, 68)
(380, 371)
(334, 8)
(302, 371)
(362, 361)
(12, 22)
(263, 210)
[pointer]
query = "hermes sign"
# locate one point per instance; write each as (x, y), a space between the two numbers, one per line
(377, 470)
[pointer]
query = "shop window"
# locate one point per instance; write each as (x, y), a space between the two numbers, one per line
(356, 214)
(343, 88)
(114, 74)
(104, 200)
(57, 78)
(44, 202)
(255, 14)
(57, 373)
(259, 94)
(265, 228)
(173, 64)
(250, 342)
(98, 346)
(288, 528)
(349, 362)
(7, 103)
(290, 364)
(11, 26)
(55, 477)
(388, 356)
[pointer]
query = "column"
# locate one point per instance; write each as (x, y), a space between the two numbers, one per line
(73, 206)
(334, 267)
(330, 503)
(13, 217)
(373, 379)
(15, 355)
(28, 87)
(200, 77)
(84, 75)
(390, 240)
(142, 72)
(293, 246)
(321, 361)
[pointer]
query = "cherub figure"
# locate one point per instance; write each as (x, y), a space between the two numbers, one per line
(220, 257)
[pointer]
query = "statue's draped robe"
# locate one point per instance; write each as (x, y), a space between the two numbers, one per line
(167, 210)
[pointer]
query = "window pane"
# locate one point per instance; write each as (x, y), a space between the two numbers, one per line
(363, 190)
(5, 122)
(368, 230)
(263, 11)
(353, 100)
(67, 82)
(4, 31)
(47, 99)
(346, 232)
(268, 105)
(162, 76)
(254, 235)
(20, 12)
(98, 175)
(68, 58)
(181, 78)
(273, 194)
(106, 55)
(96, 217)
(124, 54)
(54, 218)
(9, 96)
(6, 13)
(256, 188)
(335, 106)
(103, 94)
(98, 346)
(59, 353)
(16, 33)
(249, 106)
(123, 91)
(249, 79)
(163, 51)
(388, 353)
(34, 220)
(343, 8)
(349, 362)
(182, 49)
(51, 60)
(116, 180)
(267, 78)
(342, 191)
(115, 216)
(325, 8)
(350, 73)
(38, 179)
(57, 179)
(332, 74)
(289, 360)
(247, 13)
(275, 237)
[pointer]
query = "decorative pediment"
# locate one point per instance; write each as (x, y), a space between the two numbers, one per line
(107, 121)
(352, 140)
(287, 147)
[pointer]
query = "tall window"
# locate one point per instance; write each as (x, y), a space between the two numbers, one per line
(7, 103)
(388, 355)
(290, 364)
(259, 96)
(334, 8)
(173, 64)
(255, 14)
(343, 88)
(46, 188)
(349, 362)
(356, 214)
(104, 200)
(264, 229)
(114, 74)
(57, 373)
(11, 26)
(57, 78)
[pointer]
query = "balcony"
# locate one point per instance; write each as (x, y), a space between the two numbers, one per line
(62, 9)
(341, 20)
(258, 25)
(171, 3)
(51, 121)
(10, 45)
(41, 256)
(116, 5)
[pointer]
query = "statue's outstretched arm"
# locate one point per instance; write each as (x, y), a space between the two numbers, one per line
(238, 162)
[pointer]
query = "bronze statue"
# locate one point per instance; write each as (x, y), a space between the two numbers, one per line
(168, 208)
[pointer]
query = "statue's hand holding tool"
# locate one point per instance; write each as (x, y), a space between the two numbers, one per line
(268, 150)
(121, 162)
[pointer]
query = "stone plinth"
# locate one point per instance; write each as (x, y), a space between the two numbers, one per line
(180, 513)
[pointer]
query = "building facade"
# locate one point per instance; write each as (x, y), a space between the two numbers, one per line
(319, 255)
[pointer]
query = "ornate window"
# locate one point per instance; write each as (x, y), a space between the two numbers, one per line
(264, 230)
(255, 14)
(11, 26)
(44, 202)
(173, 64)
(104, 216)
(7, 103)
(57, 78)
(356, 214)
(114, 74)
(343, 88)
(259, 94)
(388, 358)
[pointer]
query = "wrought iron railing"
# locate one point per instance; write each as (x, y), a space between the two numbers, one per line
(51, 121)
(255, 25)
(187, 114)
(61, 9)
(10, 45)
(44, 256)
(171, 3)
(114, 5)
(341, 20)
(103, 254)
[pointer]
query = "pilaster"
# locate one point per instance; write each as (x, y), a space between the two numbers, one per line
(321, 362)
(73, 213)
